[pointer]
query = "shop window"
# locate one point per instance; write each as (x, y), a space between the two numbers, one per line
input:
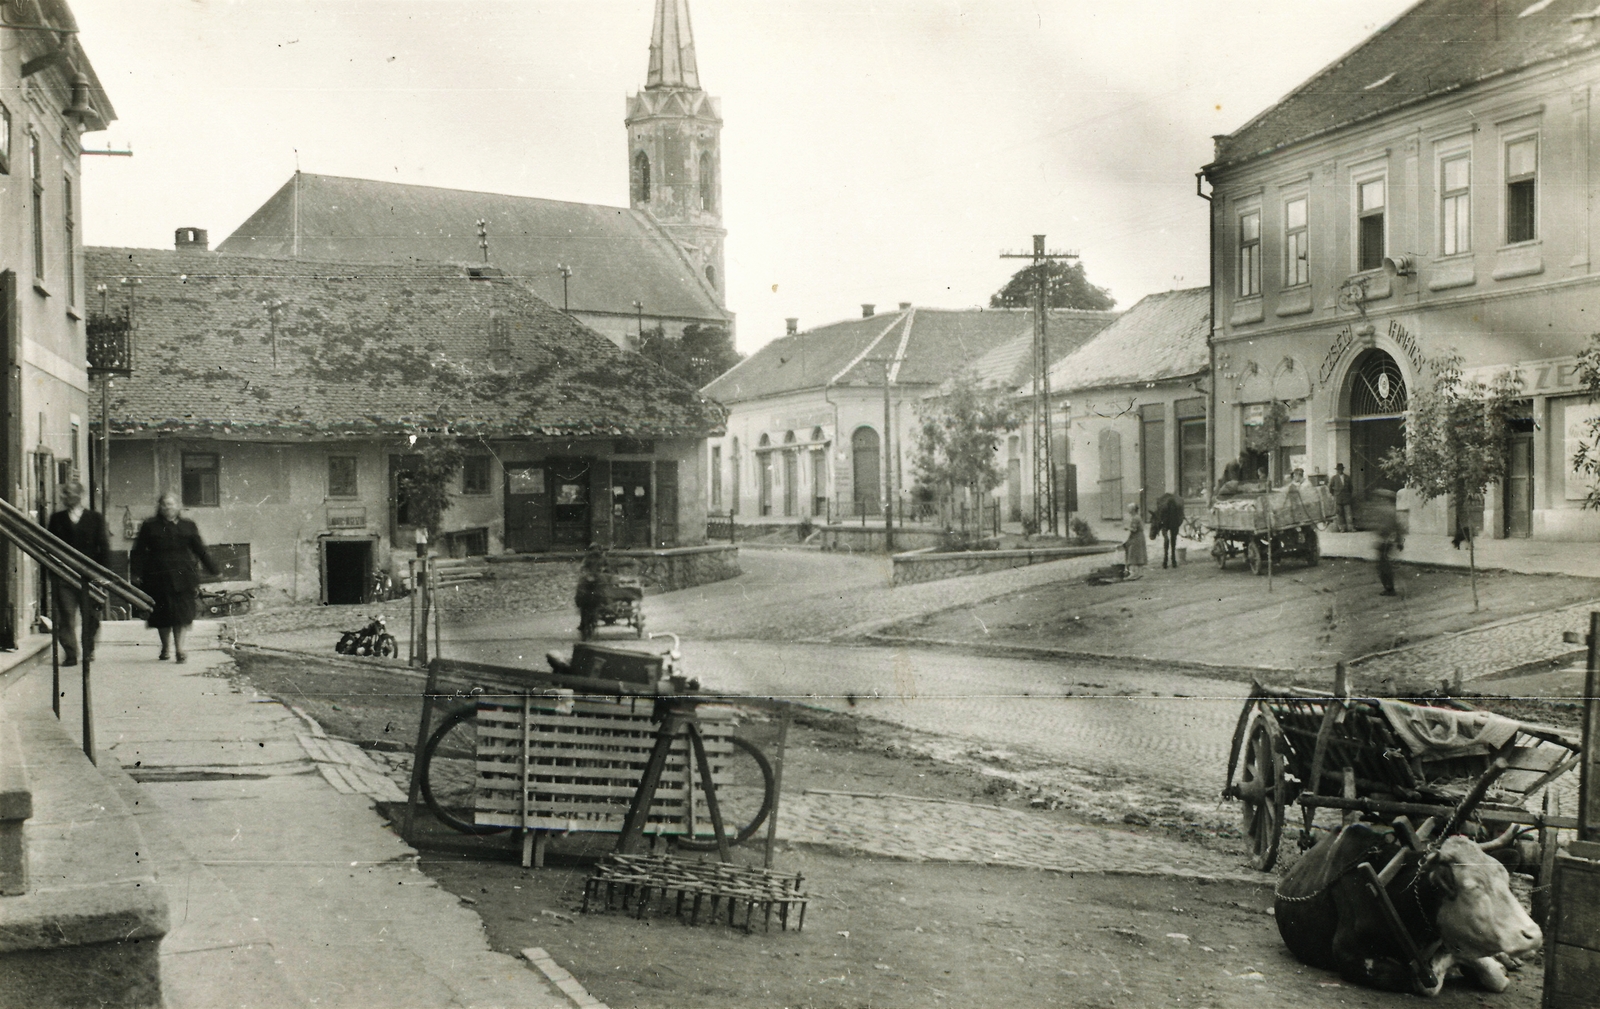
(342, 476)
(201, 487)
(1296, 250)
(1371, 234)
(475, 474)
(1192, 475)
(1522, 164)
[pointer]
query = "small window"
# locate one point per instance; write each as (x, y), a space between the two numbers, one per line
(1250, 254)
(1455, 205)
(708, 184)
(1296, 265)
(200, 484)
(641, 178)
(1522, 168)
(475, 474)
(716, 476)
(342, 476)
(1371, 237)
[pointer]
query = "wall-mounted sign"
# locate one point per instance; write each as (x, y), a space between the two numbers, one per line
(526, 479)
(1255, 414)
(1408, 343)
(347, 518)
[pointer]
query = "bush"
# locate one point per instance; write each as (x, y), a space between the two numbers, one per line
(1082, 534)
(805, 528)
(962, 539)
(1030, 525)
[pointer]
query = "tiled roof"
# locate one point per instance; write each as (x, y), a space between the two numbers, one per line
(931, 345)
(1435, 47)
(1163, 336)
(1010, 365)
(617, 256)
(363, 350)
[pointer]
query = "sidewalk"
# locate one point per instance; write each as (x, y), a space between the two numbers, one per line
(1524, 556)
(283, 888)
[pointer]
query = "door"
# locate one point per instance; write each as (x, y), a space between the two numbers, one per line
(791, 483)
(527, 507)
(864, 465)
(346, 571)
(1110, 474)
(764, 497)
(630, 505)
(1370, 440)
(1014, 489)
(1519, 486)
(569, 503)
(666, 503)
(1152, 453)
(819, 483)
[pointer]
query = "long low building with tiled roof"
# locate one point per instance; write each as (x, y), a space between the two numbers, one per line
(282, 400)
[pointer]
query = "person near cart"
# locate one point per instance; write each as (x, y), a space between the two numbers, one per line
(1343, 498)
(1389, 534)
(84, 530)
(1134, 556)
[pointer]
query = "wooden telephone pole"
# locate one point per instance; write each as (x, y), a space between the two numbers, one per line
(1044, 461)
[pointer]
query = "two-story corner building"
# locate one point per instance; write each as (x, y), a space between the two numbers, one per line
(620, 270)
(806, 425)
(49, 97)
(1133, 401)
(1431, 190)
(280, 400)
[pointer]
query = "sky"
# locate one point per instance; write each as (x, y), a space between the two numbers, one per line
(873, 150)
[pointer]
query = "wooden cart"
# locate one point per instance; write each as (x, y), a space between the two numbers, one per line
(1269, 525)
(1341, 752)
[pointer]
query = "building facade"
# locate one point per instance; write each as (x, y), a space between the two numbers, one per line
(289, 404)
(621, 271)
(1430, 193)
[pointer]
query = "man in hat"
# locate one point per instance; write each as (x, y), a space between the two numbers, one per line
(1388, 533)
(86, 531)
(1343, 498)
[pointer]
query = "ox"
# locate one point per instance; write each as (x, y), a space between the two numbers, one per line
(1167, 519)
(1449, 905)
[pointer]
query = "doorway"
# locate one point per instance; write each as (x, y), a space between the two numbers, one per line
(864, 464)
(630, 505)
(346, 571)
(791, 482)
(527, 507)
(1375, 398)
(1519, 481)
(569, 488)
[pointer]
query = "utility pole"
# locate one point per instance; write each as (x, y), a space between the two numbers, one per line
(483, 238)
(566, 275)
(888, 464)
(1044, 462)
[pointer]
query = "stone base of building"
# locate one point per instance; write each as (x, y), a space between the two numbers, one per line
(911, 568)
(684, 567)
(869, 538)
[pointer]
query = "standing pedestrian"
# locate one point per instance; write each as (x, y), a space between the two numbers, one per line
(1343, 498)
(1134, 556)
(163, 564)
(1389, 534)
(85, 531)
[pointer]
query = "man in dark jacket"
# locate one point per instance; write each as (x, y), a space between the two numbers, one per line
(84, 530)
(1344, 497)
(1389, 535)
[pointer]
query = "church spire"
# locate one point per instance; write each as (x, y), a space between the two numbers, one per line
(672, 63)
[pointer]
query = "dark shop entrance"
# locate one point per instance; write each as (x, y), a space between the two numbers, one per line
(346, 570)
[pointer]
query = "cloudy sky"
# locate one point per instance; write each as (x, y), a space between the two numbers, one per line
(874, 150)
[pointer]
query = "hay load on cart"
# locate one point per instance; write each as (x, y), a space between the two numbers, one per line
(1267, 525)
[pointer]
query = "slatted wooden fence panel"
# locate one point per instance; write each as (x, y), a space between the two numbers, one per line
(585, 758)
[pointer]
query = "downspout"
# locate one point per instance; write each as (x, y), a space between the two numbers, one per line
(1211, 336)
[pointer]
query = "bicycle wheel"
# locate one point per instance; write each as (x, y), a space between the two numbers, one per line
(449, 771)
(745, 797)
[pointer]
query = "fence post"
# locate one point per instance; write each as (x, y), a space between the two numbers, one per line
(83, 656)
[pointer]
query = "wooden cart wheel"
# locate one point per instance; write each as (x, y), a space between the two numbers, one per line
(1313, 549)
(1220, 552)
(1261, 793)
(1255, 557)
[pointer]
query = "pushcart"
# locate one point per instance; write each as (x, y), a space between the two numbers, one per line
(1378, 758)
(621, 601)
(1269, 525)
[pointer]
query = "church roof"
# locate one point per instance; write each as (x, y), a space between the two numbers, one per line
(362, 350)
(928, 344)
(672, 62)
(1161, 337)
(617, 256)
(1434, 48)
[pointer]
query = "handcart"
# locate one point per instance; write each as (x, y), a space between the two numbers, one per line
(621, 601)
(1270, 524)
(1378, 758)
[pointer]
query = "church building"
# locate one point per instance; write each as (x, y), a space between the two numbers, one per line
(621, 271)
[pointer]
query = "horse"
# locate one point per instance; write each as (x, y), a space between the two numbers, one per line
(1167, 518)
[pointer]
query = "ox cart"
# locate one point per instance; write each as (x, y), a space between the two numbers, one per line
(1379, 758)
(1267, 525)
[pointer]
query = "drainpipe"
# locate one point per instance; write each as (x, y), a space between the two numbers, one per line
(1211, 335)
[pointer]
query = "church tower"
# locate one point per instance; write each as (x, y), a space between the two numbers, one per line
(675, 145)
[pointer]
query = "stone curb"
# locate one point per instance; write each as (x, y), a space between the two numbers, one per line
(1122, 661)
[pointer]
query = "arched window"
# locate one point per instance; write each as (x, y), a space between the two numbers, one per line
(708, 186)
(764, 442)
(817, 435)
(788, 437)
(641, 178)
(711, 275)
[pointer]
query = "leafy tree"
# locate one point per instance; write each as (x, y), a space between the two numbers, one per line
(1586, 460)
(423, 489)
(697, 356)
(958, 435)
(1066, 286)
(1456, 441)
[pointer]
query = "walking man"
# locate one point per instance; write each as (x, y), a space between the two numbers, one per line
(1343, 498)
(84, 530)
(1390, 536)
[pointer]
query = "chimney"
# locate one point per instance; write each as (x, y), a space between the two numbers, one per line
(868, 311)
(791, 326)
(905, 306)
(190, 240)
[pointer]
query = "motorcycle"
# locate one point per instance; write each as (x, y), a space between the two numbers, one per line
(373, 639)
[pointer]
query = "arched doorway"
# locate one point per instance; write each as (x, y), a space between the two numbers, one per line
(864, 465)
(1375, 401)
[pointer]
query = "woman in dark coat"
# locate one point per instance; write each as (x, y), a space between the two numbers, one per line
(162, 563)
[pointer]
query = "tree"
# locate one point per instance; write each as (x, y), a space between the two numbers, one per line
(423, 489)
(958, 435)
(1456, 441)
(1065, 283)
(1586, 460)
(697, 356)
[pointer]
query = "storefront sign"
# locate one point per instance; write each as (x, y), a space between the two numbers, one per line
(1408, 343)
(1539, 378)
(800, 422)
(1346, 338)
(1330, 361)
(1255, 414)
(347, 518)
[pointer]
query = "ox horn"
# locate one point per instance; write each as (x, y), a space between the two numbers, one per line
(1505, 840)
